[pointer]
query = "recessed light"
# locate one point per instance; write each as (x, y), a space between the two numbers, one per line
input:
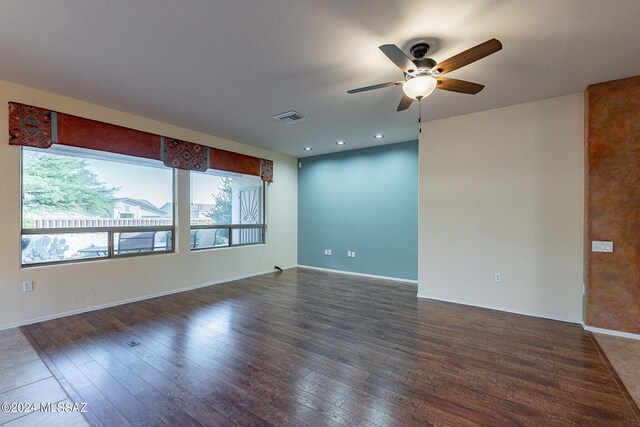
(340, 142)
(308, 148)
(378, 136)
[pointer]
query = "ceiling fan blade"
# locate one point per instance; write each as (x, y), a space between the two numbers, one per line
(398, 57)
(405, 103)
(455, 85)
(378, 86)
(469, 56)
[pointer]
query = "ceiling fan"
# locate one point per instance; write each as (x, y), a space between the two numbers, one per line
(422, 75)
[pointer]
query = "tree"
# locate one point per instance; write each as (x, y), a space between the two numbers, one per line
(220, 213)
(54, 183)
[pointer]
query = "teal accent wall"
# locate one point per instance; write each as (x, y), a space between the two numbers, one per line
(365, 201)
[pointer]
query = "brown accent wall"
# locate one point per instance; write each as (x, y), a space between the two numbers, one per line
(612, 147)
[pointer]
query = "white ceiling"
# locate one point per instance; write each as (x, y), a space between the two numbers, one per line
(225, 67)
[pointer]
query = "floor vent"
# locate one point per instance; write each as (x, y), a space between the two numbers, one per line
(133, 343)
(290, 117)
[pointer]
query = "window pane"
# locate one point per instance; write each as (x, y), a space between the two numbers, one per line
(67, 187)
(40, 248)
(219, 198)
(247, 236)
(211, 238)
(142, 242)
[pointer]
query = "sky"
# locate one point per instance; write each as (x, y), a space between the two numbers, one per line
(136, 182)
(203, 186)
(151, 183)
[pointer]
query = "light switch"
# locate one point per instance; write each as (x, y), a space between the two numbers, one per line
(601, 246)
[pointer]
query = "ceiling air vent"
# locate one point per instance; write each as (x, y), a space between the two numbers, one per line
(290, 117)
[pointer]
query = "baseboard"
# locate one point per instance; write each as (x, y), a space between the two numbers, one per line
(611, 332)
(505, 309)
(373, 276)
(135, 299)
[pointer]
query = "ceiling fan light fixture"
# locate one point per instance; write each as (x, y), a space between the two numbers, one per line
(419, 87)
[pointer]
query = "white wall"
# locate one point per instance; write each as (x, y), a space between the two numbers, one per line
(66, 288)
(503, 191)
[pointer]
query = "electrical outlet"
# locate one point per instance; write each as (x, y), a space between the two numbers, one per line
(259, 253)
(27, 286)
(348, 254)
(498, 277)
(329, 252)
(353, 254)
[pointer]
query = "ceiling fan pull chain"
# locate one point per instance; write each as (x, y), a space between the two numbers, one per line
(420, 116)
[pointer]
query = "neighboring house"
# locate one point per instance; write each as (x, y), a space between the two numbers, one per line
(201, 210)
(126, 208)
(167, 208)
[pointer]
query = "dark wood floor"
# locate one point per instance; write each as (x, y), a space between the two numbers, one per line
(313, 348)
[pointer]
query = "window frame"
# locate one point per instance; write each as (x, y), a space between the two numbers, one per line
(111, 231)
(231, 227)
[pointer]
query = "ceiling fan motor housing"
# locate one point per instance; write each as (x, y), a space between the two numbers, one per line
(419, 52)
(424, 64)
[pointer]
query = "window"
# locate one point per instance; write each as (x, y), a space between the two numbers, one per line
(226, 210)
(82, 204)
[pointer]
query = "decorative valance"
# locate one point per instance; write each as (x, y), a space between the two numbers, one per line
(266, 170)
(30, 126)
(37, 127)
(94, 135)
(234, 162)
(184, 155)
